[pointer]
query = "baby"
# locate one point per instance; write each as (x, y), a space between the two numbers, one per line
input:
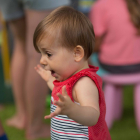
(65, 39)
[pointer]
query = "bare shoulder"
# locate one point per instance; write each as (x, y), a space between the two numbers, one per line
(85, 88)
(85, 83)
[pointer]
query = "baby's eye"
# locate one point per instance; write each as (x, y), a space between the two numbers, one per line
(49, 55)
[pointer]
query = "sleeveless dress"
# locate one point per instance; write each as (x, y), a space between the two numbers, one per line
(64, 128)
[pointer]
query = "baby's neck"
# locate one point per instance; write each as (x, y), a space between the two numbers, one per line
(83, 65)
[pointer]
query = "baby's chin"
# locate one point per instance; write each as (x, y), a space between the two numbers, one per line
(60, 79)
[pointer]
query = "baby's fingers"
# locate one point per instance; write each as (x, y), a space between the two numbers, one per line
(61, 97)
(55, 113)
(49, 116)
(58, 103)
(38, 68)
(64, 91)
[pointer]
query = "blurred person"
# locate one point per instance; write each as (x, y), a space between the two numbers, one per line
(29, 89)
(3, 136)
(117, 30)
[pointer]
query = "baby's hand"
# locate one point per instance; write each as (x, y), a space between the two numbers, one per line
(46, 75)
(64, 105)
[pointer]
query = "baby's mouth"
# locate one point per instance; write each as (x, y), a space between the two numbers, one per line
(53, 73)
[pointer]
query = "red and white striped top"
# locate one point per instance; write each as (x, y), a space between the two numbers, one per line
(64, 128)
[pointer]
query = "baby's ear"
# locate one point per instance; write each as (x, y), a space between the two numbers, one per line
(78, 53)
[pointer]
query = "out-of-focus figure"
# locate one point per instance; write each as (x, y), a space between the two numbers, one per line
(29, 89)
(117, 30)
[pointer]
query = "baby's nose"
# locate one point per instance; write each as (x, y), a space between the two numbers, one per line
(43, 61)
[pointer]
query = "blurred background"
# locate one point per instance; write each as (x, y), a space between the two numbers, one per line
(126, 126)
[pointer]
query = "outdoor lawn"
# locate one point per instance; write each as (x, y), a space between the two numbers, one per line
(125, 129)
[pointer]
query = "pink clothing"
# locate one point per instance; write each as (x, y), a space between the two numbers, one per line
(121, 45)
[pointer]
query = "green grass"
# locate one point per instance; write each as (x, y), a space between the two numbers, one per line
(13, 133)
(124, 129)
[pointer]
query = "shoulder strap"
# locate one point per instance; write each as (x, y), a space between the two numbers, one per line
(89, 74)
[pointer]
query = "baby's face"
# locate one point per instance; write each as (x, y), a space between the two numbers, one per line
(58, 60)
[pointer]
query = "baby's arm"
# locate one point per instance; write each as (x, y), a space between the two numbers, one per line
(46, 75)
(84, 92)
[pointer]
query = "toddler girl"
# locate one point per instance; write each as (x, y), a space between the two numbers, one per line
(65, 39)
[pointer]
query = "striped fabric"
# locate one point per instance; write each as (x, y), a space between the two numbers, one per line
(63, 128)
